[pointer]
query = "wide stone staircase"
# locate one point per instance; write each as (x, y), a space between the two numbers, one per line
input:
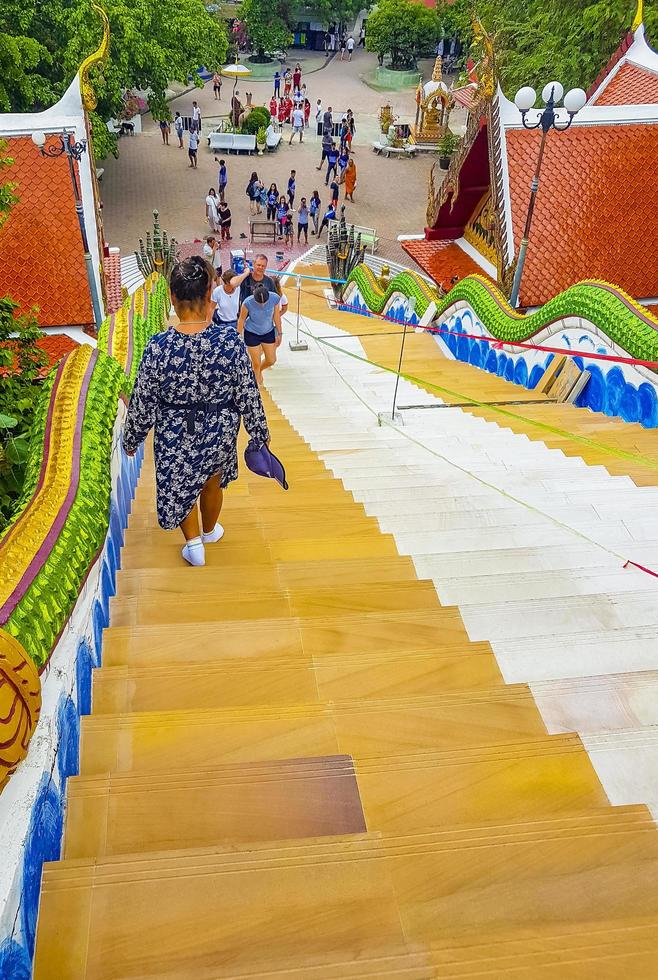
(300, 766)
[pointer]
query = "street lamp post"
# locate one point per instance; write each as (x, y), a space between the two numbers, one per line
(73, 152)
(548, 118)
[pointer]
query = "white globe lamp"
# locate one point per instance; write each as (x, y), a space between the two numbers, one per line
(554, 90)
(525, 98)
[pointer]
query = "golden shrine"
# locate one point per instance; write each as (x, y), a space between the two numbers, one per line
(433, 105)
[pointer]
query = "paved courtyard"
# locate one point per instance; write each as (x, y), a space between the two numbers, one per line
(390, 196)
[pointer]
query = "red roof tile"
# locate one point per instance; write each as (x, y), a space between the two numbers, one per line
(443, 261)
(630, 86)
(54, 346)
(598, 185)
(41, 257)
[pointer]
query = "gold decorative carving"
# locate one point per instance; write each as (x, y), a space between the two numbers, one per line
(433, 105)
(89, 99)
(639, 16)
(485, 58)
(20, 704)
(480, 231)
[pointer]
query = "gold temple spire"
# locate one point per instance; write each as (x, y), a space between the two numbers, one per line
(89, 99)
(639, 16)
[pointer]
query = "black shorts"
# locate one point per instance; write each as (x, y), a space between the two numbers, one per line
(256, 339)
(217, 88)
(191, 154)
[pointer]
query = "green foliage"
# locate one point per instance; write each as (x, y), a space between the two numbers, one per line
(539, 40)
(405, 28)
(268, 24)
(448, 143)
(261, 136)
(21, 358)
(257, 118)
(337, 11)
(43, 45)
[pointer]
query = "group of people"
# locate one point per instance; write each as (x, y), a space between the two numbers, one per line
(338, 156)
(335, 40)
(279, 206)
(196, 381)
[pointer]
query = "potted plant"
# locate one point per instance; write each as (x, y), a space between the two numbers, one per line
(261, 140)
(447, 146)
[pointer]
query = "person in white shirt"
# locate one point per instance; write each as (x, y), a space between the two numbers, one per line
(212, 253)
(192, 147)
(350, 47)
(225, 298)
(196, 116)
(297, 120)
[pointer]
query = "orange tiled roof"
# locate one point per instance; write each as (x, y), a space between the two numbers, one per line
(41, 257)
(442, 261)
(632, 85)
(598, 185)
(54, 346)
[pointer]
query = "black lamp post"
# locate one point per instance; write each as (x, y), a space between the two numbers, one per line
(548, 118)
(73, 152)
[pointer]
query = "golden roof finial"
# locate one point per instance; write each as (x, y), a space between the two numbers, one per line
(639, 16)
(89, 99)
(437, 74)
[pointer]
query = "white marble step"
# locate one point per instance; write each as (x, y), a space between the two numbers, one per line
(598, 704)
(560, 583)
(433, 490)
(573, 614)
(490, 565)
(592, 653)
(436, 520)
(626, 762)
(494, 538)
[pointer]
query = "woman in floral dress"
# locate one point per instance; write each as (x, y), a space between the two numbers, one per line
(194, 384)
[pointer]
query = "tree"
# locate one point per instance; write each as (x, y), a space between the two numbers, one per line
(404, 28)
(337, 11)
(20, 362)
(268, 25)
(539, 40)
(152, 44)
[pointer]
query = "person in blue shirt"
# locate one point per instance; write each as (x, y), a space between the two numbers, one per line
(332, 161)
(314, 211)
(272, 201)
(302, 221)
(260, 325)
(277, 84)
(291, 188)
(335, 193)
(222, 178)
(342, 162)
(329, 215)
(282, 215)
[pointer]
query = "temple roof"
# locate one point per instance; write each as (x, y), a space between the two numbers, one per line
(41, 255)
(631, 75)
(444, 261)
(54, 347)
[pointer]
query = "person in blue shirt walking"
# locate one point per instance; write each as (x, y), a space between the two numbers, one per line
(260, 325)
(277, 84)
(282, 215)
(222, 178)
(329, 215)
(291, 188)
(302, 221)
(314, 211)
(332, 161)
(272, 201)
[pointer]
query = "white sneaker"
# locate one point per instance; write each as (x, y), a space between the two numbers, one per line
(194, 552)
(215, 535)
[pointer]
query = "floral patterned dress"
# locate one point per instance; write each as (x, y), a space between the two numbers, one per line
(193, 388)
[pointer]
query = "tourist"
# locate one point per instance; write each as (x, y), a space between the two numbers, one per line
(297, 124)
(212, 253)
(277, 84)
(332, 162)
(307, 113)
(362, 36)
(217, 85)
(328, 122)
(179, 126)
(314, 210)
(273, 108)
(297, 76)
(224, 221)
(282, 113)
(302, 221)
(342, 163)
(256, 276)
(288, 107)
(350, 180)
(164, 131)
(260, 323)
(226, 299)
(343, 43)
(212, 215)
(287, 81)
(327, 143)
(194, 384)
(196, 116)
(192, 147)
(350, 47)
(282, 210)
(318, 113)
(288, 232)
(291, 187)
(344, 130)
(283, 306)
(272, 201)
(334, 193)
(253, 193)
(222, 178)
(329, 215)
(236, 108)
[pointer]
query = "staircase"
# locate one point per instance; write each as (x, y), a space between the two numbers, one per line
(300, 764)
